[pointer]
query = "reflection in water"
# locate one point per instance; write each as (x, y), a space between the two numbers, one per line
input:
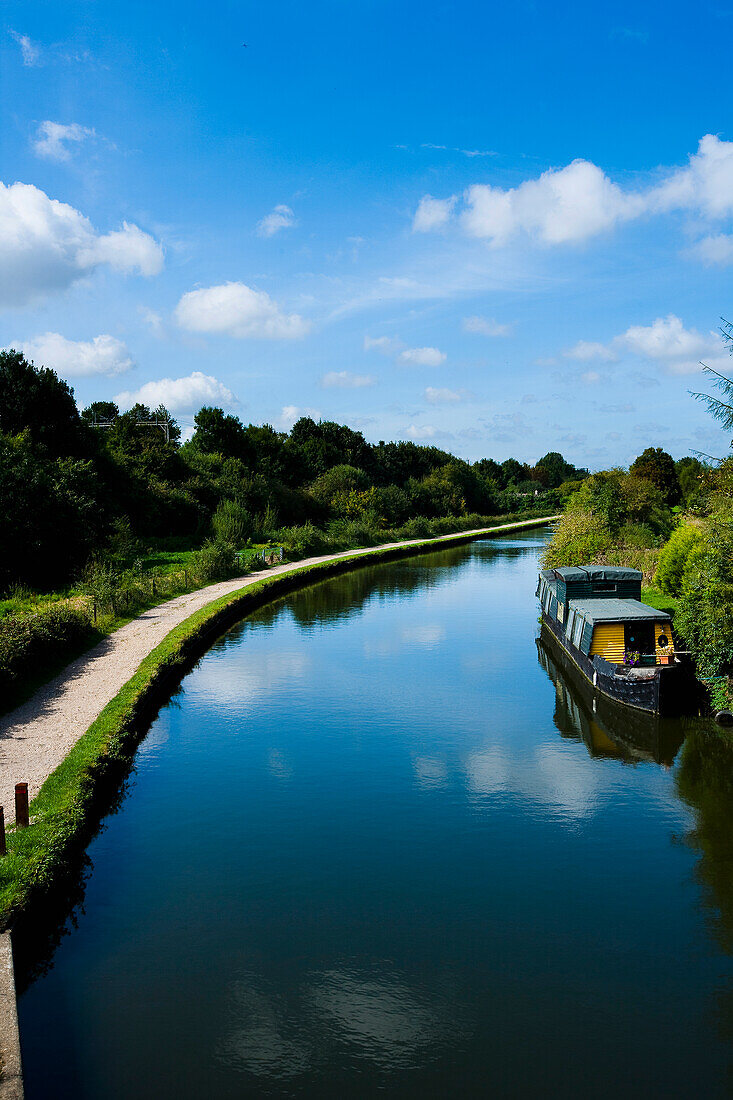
(705, 781)
(605, 727)
(333, 1015)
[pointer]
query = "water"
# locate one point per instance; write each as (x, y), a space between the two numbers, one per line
(379, 843)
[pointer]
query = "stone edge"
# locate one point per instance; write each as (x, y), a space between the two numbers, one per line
(11, 1076)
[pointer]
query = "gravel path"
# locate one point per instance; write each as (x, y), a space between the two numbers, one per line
(36, 737)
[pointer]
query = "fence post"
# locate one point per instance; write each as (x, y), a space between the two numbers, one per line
(21, 805)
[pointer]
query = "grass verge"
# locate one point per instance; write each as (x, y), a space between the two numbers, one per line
(63, 812)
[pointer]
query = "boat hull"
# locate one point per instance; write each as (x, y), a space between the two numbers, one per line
(666, 690)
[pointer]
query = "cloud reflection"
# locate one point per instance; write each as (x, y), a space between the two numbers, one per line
(383, 1019)
(565, 782)
(240, 680)
(378, 1017)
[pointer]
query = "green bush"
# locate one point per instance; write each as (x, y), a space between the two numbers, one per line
(578, 539)
(674, 557)
(705, 615)
(214, 561)
(232, 523)
(39, 641)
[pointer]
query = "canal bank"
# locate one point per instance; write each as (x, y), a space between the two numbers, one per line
(11, 1072)
(75, 738)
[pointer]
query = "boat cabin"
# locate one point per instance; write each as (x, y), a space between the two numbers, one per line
(599, 611)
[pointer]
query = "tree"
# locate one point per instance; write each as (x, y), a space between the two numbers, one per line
(717, 407)
(35, 399)
(690, 474)
(657, 466)
(557, 470)
(219, 434)
(100, 410)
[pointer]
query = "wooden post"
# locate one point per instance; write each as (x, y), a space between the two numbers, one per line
(21, 805)
(3, 845)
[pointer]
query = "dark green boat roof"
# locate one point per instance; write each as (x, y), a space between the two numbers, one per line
(583, 573)
(617, 611)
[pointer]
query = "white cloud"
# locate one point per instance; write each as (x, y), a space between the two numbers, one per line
(151, 318)
(485, 326)
(52, 139)
(47, 245)
(126, 249)
(291, 413)
(29, 50)
(423, 357)
(237, 310)
(586, 350)
(591, 376)
(78, 358)
(281, 217)
(666, 341)
(432, 213)
(714, 250)
(438, 396)
(579, 201)
(342, 379)
(386, 345)
(179, 394)
(705, 185)
(563, 205)
(428, 432)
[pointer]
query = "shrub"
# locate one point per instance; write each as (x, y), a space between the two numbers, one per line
(301, 541)
(637, 536)
(578, 539)
(39, 641)
(705, 615)
(214, 561)
(232, 523)
(674, 557)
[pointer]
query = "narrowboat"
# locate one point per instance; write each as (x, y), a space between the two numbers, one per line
(623, 647)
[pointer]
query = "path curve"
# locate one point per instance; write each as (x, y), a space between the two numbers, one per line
(35, 738)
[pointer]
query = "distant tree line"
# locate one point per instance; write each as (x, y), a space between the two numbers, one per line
(77, 485)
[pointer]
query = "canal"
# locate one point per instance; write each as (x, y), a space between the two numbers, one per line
(380, 843)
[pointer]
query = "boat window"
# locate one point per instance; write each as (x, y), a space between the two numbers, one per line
(604, 586)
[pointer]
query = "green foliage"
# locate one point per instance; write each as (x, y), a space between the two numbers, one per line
(656, 465)
(232, 523)
(34, 400)
(705, 615)
(38, 642)
(674, 557)
(691, 474)
(579, 538)
(214, 561)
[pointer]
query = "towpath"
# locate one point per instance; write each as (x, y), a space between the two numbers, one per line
(36, 737)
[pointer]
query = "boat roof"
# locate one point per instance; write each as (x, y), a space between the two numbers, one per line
(582, 573)
(616, 611)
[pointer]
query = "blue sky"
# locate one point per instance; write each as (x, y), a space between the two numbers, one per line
(504, 229)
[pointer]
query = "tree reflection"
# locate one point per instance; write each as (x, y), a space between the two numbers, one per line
(705, 782)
